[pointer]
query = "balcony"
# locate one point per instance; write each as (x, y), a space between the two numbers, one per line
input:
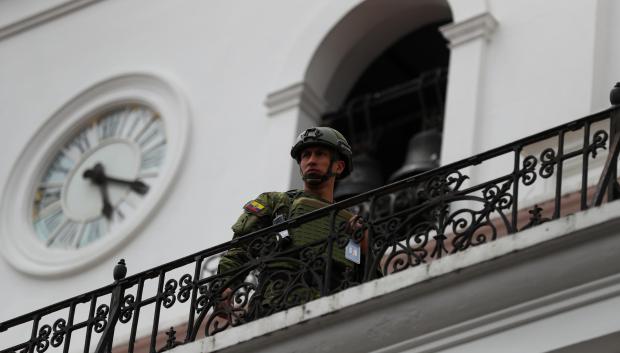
(465, 257)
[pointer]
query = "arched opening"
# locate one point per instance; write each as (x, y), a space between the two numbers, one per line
(399, 96)
(374, 46)
(382, 71)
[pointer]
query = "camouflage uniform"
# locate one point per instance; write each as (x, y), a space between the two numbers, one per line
(292, 272)
(300, 279)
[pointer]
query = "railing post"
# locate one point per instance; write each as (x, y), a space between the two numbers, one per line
(333, 235)
(608, 182)
(369, 271)
(107, 337)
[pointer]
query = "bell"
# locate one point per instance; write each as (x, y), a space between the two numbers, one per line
(365, 176)
(422, 156)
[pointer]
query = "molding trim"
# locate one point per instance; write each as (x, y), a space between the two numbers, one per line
(522, 314)
(479, 26)
(299, 95)
(43, 17)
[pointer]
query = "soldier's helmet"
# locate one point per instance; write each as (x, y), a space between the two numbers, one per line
(328, 137)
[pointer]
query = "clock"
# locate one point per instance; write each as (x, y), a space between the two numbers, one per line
(93, 175)
(99, 177)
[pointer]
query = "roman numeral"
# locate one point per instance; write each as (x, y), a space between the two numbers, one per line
(58, 171)
(111, 126)
(129, 129)
(46, 196)
(140, 121)
(143, 129)
(64, 235)
(153, 158)
(153, 136)
(74, 150)
(80, 142)
(92, 135)
(92, 231)
(49, 221)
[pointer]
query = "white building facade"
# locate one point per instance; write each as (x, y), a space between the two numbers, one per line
(230, 84)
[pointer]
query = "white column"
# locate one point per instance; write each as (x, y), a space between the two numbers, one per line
(298, 107)
(468, 40)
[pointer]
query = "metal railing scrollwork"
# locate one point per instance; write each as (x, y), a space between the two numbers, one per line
(406, 224)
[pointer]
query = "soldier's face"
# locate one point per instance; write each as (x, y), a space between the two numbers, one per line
(315, 160)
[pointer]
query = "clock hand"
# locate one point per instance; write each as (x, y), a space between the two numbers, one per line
(135, 185)
(107, 207)
(97, 176)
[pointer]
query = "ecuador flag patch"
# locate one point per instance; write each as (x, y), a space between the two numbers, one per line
(254, 207)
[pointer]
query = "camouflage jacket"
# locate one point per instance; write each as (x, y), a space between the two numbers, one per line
(262, 211)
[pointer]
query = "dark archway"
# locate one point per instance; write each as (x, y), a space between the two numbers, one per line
(400, 94)
(349, 58)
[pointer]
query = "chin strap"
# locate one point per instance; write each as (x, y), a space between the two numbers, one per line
(312, 180)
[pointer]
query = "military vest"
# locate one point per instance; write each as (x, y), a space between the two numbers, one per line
(270, 206)
(277, 288)
(318, 229)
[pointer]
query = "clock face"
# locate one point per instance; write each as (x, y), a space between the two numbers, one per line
(93, 175)
(98, 179)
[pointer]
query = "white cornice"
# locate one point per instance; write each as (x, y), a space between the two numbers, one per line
(299, 95)
(479, 26)
(43, 17)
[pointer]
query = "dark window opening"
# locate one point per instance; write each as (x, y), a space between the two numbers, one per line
(399, 95)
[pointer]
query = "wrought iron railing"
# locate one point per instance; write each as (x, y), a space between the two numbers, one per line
(407, 223)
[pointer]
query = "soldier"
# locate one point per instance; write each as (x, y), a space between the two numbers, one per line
(295, 274)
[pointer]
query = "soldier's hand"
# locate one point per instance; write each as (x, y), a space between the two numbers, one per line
(225, 302)
(356, 222)
(222, 311)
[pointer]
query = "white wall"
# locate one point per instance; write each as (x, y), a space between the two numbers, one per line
(220, 53)
(539, 68)
(226, 56)
(545, 64)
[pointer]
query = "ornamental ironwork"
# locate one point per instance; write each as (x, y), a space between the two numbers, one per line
(402, 225)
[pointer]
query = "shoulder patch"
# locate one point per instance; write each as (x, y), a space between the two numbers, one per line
(254, 207)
